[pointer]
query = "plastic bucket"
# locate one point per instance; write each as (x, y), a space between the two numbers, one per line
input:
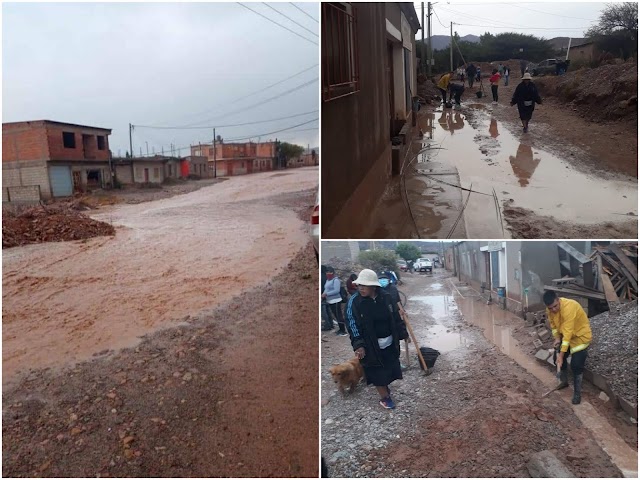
(479, 94)
(430, 356)
(502, 291)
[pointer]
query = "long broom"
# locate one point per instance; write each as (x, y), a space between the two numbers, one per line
(405, 319)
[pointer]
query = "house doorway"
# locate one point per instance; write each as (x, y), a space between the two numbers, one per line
(146, 175)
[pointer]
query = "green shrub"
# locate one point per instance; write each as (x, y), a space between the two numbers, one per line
(378, 260)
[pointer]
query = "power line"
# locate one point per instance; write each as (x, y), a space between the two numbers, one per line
(475, 17)
(228, 126)
(433, 10)
(547, 13)
(524, 28)
(228, 114)
(289, 18)
(271, 133)
(282, 26)
(227, 102)
(304, 12)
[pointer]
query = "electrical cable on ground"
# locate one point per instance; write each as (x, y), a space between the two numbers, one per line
(289, 18)
(280, 25)
(455, 225)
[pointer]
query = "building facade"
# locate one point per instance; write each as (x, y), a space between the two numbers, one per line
(237, 158)
(44, 159)
(584, 52)
(368, 73)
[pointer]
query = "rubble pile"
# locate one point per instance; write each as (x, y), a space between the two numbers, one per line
(617, 266)
(343, 268)
(59, 223)
(608, 92)
(614, 352)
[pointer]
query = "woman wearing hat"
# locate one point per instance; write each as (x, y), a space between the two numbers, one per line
(526, 96)
(376, 328)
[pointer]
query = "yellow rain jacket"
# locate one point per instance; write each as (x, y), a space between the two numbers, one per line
(572, 324)
(444, 81)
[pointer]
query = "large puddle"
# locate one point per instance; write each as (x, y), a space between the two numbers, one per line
(500, 166)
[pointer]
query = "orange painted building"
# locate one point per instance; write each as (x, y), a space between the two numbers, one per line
(237, 158)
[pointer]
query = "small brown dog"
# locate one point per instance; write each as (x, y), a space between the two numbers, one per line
(347, 374)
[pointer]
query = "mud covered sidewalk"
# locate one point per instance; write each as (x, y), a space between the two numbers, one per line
(479, 414)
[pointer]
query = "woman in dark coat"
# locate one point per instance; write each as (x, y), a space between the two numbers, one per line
(376, 328)
(526, 96)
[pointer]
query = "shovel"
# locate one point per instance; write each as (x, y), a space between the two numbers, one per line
(558, 367)
(415, 343)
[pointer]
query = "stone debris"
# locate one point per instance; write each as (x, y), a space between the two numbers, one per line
(614, 351)
(546, 465)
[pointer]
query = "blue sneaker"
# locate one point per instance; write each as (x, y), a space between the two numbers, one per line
(387, 403)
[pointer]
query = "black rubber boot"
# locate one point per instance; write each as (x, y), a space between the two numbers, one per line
(577, 389)
(564, 379)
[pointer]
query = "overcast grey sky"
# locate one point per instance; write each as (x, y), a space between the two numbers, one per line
(111, 64)
(542, 19)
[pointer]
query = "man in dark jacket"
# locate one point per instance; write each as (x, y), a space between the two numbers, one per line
(526, 96)
(376, 328)
(471, 74)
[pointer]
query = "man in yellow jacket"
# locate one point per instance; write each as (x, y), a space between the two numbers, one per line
(572, 332)
(443, 85)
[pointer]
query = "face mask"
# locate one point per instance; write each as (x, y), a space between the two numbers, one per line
(384, 282)
(329, 276)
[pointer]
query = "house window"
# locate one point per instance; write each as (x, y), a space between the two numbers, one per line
(69, 139)
(156, 173)
(340, 73)
(102, 144)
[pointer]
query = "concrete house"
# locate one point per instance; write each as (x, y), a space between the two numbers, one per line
(369, 76)
(237, 158)
(586, 51)
(520, 268)
(44, 159)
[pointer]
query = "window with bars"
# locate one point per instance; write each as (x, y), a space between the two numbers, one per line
(340, 72)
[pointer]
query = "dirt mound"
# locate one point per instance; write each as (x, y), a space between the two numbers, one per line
(57, 223)
(608, 92)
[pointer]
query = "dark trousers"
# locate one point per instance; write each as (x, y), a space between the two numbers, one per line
(457, 93)
(578, 360)
(444, 95)
(336, 311)
(494, 91)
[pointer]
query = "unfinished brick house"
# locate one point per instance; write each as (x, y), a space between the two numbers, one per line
(44, 159)
(237, 158)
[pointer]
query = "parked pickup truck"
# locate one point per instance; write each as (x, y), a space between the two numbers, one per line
(423, 265)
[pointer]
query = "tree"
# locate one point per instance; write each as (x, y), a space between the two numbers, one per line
(378, 260)
(408, 252)
(290, 150)
(219, 139)
(617, 29)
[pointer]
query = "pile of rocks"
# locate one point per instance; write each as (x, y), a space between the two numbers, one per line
(45, 224)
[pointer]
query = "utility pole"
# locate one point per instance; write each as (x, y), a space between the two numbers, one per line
(423, 45)
(429, 39)
(215, 167)
(147, 148)
(451, 47)
(130, 140)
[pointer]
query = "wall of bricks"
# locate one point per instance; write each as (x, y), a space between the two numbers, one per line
(124, 174)
(156, 172)
(26, 174)
(27, 194)
(57, 150)
(267, 149)
(23, 142)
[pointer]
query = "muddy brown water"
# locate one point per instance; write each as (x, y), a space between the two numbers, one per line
(442, 296)
(469, 147)
(65, 302)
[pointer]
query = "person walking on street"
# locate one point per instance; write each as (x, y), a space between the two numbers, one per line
(387, 285)
(376, 328)
(478, 73)
(500, 69)
(507, 72)
(526, 96)
(333, 297)
(471, 74)
(572, 333)
(523, 67)
(443, 85)
(495, 81)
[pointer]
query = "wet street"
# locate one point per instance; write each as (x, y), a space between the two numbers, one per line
(472, 149)
(480, 413)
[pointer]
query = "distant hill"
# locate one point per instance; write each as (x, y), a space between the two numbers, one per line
(439, 42)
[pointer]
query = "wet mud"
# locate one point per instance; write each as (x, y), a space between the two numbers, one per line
(472, 148)
(65, 302)
(479, 414)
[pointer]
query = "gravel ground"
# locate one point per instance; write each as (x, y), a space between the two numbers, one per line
(478, 414)
(614, 352)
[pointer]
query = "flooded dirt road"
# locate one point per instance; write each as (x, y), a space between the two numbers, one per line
(476, 149)
(64, 302)
(479, 414)
(218, 384)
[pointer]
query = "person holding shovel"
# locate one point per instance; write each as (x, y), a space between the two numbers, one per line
(376, 328)
(572, 333)
(526, 96)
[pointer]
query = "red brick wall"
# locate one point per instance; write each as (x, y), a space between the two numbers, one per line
(24, 142)
(266, 150)
(59, 152)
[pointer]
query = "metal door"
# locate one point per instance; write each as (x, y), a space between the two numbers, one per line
(146, 175)
(495, 269)
(61, 183)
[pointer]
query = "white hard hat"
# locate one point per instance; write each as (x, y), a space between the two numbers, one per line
(367, 277)
(526, 76)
